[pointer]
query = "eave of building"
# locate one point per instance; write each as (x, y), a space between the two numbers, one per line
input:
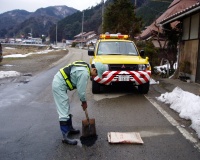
(181, 14)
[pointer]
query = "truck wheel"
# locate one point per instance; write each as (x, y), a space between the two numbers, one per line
(143, 88)
(95, 87)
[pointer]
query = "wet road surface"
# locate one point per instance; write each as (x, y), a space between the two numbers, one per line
(30, 128)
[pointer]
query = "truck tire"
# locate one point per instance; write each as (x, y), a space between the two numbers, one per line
(95, 87)
(143, 88)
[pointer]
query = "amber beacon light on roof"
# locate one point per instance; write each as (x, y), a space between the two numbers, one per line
(113, 36)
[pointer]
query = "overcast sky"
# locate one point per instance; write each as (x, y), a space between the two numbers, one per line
(33, 5)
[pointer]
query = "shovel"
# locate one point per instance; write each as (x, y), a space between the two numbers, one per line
(88, 126)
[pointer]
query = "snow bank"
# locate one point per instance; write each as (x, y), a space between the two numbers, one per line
(186, 104)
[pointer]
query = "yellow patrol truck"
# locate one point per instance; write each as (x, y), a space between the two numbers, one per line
(124, 61)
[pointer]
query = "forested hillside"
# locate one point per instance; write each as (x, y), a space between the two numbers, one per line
(150, 10)
(70, 26)
(20, 22)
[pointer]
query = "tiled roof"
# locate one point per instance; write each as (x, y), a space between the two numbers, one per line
(175, 7)
(84, 38)
(88, 33)
(174, 3)
(190, 8)
(80, 34)
(84, 34)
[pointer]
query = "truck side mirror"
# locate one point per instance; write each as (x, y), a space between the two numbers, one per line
(142, 53)
(90, 52)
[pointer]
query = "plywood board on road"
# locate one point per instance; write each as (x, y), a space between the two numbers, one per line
(125, 137)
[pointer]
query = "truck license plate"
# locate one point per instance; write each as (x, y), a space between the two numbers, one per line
(123, 77)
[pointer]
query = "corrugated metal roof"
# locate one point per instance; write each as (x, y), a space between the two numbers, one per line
(175, 7)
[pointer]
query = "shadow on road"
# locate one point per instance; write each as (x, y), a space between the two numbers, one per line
(119, 88)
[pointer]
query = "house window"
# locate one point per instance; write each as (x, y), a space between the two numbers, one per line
(194, 29)
(186, 27)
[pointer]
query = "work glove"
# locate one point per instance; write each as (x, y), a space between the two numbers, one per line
(84, 105)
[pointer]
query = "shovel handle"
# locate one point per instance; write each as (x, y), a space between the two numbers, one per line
(86, 114)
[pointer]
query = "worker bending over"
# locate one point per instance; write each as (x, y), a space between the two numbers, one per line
(73, 76)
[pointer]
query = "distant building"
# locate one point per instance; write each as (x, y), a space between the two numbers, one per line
(32, 41)
(2, 41)
(85, 39)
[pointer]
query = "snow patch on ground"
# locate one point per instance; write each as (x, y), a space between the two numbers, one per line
(4, 74)
(25, 55)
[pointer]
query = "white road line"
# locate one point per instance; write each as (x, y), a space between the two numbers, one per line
(183, 131)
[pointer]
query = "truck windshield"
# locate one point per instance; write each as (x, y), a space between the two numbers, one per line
(119, 48)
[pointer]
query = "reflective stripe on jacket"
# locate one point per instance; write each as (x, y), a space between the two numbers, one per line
(67, 70)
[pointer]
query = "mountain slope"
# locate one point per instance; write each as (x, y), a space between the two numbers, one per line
(11, 18)
(19, 22)
(72, 25)
(59, 12)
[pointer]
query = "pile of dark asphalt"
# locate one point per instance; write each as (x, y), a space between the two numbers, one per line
(88, 141)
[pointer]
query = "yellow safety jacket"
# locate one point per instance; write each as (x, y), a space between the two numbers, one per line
(67, 70)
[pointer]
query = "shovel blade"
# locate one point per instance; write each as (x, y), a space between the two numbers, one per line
(88, 129)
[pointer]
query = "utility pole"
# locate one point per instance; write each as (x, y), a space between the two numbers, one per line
(102, 2)
(135, 5)
(56, 33)
(82, 30)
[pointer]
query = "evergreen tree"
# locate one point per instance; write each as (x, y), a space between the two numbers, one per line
(119, 17)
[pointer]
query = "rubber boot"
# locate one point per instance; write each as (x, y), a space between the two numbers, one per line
(65, 128)
(72, 130)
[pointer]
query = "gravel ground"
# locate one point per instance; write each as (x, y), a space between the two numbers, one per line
(30, 65)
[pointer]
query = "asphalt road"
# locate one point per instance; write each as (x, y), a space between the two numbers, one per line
(29, 127)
